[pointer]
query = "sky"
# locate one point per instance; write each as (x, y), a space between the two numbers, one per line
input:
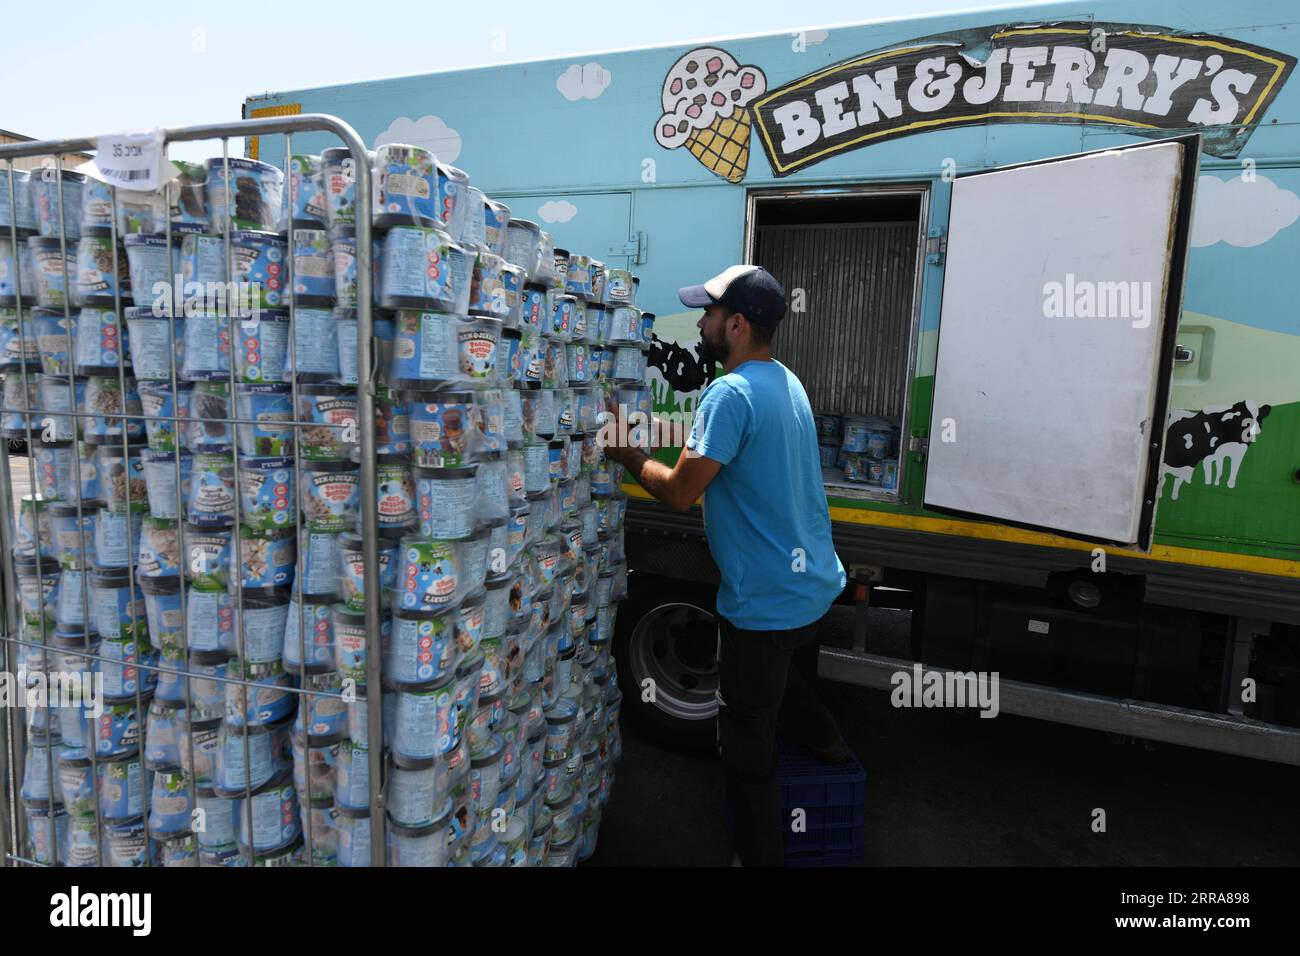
(96, 69)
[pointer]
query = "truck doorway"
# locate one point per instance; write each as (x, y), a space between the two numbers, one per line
(849, 260)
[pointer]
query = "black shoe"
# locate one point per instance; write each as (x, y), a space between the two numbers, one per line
(836, 753)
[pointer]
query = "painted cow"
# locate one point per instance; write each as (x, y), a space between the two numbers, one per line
(1217, 437)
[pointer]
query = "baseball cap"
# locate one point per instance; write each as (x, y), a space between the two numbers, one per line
(750, 290)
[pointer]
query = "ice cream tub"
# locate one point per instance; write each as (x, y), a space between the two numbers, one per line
(50, 193)
(117, 730)
(159, 548)
(343, 247)
(38, 588)
(629, 364)
(425, 723)
(118, 606)
(263, 347)
(477, 347)
(351, 641)
(72, 538)
(20, 215)
(315, 346)
(209, 620)
(170, 804)
(395, 495)
(53, 273)
(264, 411)
(487, 289)
(512, 283)
(415, 271)
(123, 478)
(16, 275)
(562, 318)
(265, 612)
(20, 345)
(315, 768)
(207, 347)
(508, 365)
(101, 277)
(855, 467)
(320, 552)
(345, 346)
(338, 177)
(107, 398)
(332, 411)
(152, 272)
(425, 350)
(420, 846)
(267, 494)
(305, 202)
(405, 187)
(429, 574)
(415, 796)
(207, 556)
(352, 569)
(121, 669)
(154, 341)
(330, 493)
(310, 633)
(163, 734)
(580, 317)
(233, 772)
(268, 697)
(624, 325)
(524, 245)
(56, 466)
(117, 538)
(322, 711)
(422, 646)
(249, 193)
(534, 308)
(203, 258)
(211, 501)
(218, 828)
(274, 813)
(452, 185)
(47, 333)
(158, 401)
(123, 788)
(829, 454)
(441, 424)
(259, 264)
(33, 528)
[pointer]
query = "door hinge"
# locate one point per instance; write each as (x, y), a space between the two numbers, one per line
(919, 445)
(636, 249)
(936, 245)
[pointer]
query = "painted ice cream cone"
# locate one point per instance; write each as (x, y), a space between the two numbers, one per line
(723, 148)
(706, 99)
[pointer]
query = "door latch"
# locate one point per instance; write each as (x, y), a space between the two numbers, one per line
(936, 245)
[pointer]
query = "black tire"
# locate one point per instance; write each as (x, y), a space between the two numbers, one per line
(665, 631)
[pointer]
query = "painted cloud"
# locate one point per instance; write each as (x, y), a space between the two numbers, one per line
(431, 132)
(585, 82)
(557, 210)
(1241, 213)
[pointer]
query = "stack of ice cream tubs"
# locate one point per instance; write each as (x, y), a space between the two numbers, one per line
(212, 467)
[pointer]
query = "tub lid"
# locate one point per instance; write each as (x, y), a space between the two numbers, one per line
(446, 474)
(422, 614)
(352, 813)
(423, 687)
(492, 753)
(333, 464)
(471, 601)
(561, 799)
(113, 577)
(471, 663)
(269, 463)
(563, 711)
(265, 597)
(499, 581)
(156, 587)
(438, 396)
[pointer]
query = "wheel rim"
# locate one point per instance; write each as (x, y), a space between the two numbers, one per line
(675, 645)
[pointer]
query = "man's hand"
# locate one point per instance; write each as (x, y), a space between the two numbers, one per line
(678, 487)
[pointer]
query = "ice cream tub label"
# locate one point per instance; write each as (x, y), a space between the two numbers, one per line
(274, 815)
(421, 646)
(310, 635)
(209, 620)
(429, 574)
(477, 345)
(117, 538)
(159, 548)
(267, 498)
(332, 410)
(441, 424)
(212, 489)
(425, 350)
(251, 192)
(263, 347)
(207, 348)
(158, 402)
(330, 494)
(313, 266)
(425, 725)
(265, 410)
(268, 697)
(405, 186)
(338, 176)
(315, 346)
(320, 561)
(352, 569)
(259, 262)
(154, 343)
(415, 273)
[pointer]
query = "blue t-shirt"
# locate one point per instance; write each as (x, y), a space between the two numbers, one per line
(765, 513)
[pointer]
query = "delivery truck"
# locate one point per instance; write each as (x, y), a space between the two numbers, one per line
(1042, 266)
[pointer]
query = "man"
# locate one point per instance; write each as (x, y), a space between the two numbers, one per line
(752, 453)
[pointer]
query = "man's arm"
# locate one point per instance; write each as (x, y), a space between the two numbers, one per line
(678, 487)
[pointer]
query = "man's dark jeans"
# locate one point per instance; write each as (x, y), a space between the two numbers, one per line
(760, 691)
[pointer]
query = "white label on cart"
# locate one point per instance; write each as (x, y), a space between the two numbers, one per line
(1039, 627)
(133, 160)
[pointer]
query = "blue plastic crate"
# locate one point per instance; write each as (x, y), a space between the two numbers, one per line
(833, 798)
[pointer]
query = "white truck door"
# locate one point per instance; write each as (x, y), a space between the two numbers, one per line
(1062, 287)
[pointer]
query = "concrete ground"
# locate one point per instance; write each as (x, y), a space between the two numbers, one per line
(945, 787)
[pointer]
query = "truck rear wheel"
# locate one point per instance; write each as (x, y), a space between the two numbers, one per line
(665, 643)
